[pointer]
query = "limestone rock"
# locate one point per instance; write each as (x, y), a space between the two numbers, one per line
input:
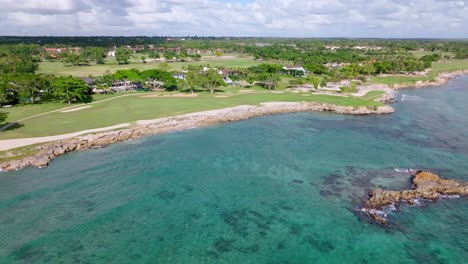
(426, 186)
(50, 151)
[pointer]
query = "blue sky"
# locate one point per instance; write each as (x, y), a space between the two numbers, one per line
(266, 18)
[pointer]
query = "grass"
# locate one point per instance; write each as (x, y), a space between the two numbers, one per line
(18, 153)
(450, 65)
(59, 68)
(390, 80)
(437, 67)
(419, 54)
(19, 112)
(372, 95)
(132, 108)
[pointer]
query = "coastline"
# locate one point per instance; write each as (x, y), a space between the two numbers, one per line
(54, 149)
(441, 79)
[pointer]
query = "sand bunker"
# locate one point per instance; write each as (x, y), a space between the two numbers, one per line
(75, 109)
(170, 95)
(245, 91)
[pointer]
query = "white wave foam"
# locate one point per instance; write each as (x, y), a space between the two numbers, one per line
(404, 170)
(410, 97)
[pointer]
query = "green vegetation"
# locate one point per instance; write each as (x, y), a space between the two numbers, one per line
(372, 95)
(123, 55)
(451, 65)
(3, 117)
(437, 67)
(18, 153)
(71, 90)
(390, 80)
(349, 89)
(58, 68)
(41, 80)
(132, 108)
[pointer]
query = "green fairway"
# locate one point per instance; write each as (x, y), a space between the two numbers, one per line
(372, 95)
(419, 54)
(132, 108)
(390, 80)
(437, 67)
(450, 65)
(58, 68)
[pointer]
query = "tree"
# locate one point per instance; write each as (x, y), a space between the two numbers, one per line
(71, 58)
(196, 57)
(251, 78)
(236, 78)
(153, 55)
(314, 80)
(270, 80)
(8, 95)
(71, 90)
(170, 55)
(143, 59)
(31, 87)
(123, 55)
(351, 71)
(316, 68)
(19, 58)
(129, 75)
(170, 83)
(211, 79)
(368, 69)
(218, 53)
(96, 54)
(193, 78)
(3, 117)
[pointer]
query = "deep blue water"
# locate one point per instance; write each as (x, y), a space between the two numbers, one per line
(275, 189)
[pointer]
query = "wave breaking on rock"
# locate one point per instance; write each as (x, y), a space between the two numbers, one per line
(426, 186)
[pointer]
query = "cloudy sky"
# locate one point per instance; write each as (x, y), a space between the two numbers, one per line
(280, 18)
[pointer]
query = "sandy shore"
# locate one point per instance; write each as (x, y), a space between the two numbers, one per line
(49, 151)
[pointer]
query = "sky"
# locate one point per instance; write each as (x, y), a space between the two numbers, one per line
(262, 18)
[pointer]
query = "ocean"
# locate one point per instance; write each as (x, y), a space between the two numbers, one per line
(272, 189)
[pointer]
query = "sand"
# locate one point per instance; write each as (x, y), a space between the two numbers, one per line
(75, 109)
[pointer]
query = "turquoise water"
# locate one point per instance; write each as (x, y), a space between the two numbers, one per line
(276, 189)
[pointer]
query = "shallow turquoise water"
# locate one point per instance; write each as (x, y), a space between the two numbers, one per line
(276, 189)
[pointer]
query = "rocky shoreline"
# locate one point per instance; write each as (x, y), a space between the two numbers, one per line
(52, 150)
(441, 79)
(426, 185)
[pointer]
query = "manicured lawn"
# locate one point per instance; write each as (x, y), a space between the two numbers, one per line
(22, 111)
(451, 65)
(397, 79)
(372, 95)
(59, 68)
(442, 66)
(132, 108)
(419, 54)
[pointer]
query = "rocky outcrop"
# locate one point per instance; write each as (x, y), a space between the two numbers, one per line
(441, 79)
(426, 185)
(386, 98)
(52, 150)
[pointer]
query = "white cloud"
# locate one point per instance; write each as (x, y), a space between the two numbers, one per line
(284, 18)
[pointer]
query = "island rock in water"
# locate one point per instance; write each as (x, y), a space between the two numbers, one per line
(427, 186)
